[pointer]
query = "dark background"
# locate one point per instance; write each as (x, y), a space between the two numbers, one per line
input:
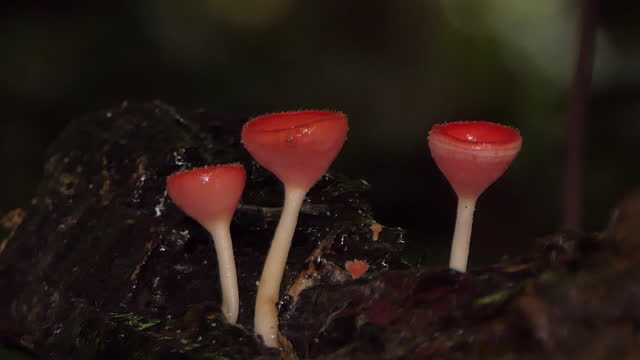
(395, 67)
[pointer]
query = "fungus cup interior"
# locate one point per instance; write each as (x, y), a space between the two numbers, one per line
(473, 155)
(298, 146)
(208, 194)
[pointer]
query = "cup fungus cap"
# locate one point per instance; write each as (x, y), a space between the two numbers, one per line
(297, 146)
(473, 155)
(209, 194)
(356, 268)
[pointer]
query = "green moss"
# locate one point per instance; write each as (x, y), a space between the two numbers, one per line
(498, 297)
(135, 321)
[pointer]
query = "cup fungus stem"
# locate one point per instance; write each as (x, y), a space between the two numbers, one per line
(227, 269)
(266, 314)
(462, 234)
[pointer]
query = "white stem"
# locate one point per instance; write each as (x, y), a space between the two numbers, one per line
(227, 269)
(266, 314)
(462, 234)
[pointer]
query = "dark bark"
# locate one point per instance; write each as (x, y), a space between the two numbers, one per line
(103, 265)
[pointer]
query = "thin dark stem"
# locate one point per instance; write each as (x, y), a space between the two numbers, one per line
(578, 101)
(274, 212)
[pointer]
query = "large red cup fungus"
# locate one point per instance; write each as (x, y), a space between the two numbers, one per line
(472, 156)
(210, 196)
(298, 148)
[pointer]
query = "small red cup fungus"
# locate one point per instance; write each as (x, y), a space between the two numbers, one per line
(298, 148)
(210, 196)
(472, 156)
(356, 268)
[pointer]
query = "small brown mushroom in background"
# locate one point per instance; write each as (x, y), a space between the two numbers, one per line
(376, 229)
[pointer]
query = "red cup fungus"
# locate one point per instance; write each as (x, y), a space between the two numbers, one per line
(472, 156)
(210, 196)
(356, 268)
(297, 147)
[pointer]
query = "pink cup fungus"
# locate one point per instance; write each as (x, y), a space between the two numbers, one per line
(210, 196)
(298, 147)
(472, 156)
(356, 268)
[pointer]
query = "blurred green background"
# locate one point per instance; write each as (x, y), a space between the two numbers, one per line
(395, 67)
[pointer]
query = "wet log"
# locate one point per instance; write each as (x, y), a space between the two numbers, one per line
(102, 264)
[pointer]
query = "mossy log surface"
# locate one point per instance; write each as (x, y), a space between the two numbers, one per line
(103, 265)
